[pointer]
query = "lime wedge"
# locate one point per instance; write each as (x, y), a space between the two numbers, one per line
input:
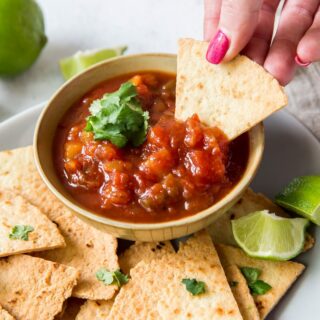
(302, 196)
(264, 235)
(84, 59)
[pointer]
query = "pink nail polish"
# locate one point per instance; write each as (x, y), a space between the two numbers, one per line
(300, 62)
(217, 48)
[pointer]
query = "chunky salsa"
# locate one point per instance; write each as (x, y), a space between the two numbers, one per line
(181, 168)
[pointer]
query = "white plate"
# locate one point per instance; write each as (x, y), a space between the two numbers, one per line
(291, 150)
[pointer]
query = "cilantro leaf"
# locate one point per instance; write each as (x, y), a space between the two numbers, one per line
(259, 287)
(118, 117)
(112, 277)
(256, 286)
(21, 232)
(194, 286)
(251, 274)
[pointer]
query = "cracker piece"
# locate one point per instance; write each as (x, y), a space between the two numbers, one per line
(145, 251)
(233, 96)
(33, 288)
(156, 292)
(15, 210)
(241, 293)
(279, 275)
(5, 315)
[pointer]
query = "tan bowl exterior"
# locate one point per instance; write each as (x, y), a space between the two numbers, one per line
(71, 92)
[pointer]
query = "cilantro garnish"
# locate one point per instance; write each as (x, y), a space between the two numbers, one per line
(194, 286)
(21, 232)
(118, 117)
(112, 277)
(256, 286)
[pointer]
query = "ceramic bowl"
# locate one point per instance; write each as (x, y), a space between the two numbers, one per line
(70, 93)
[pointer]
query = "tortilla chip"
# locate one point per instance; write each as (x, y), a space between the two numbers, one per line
(5, 315)
(221, 230)
(88, 249)
(33, 288)
(71, 308)
(145, 251)
(15, 210)
(233, 96)
(97, 310)
(155, 290)
(241, 293)
(280, 275)
(18, 173)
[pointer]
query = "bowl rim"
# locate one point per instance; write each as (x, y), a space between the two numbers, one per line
(234, 193)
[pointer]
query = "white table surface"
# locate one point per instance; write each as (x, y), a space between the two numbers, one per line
(143, 25)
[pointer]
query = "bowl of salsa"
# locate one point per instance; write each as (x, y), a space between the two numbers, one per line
(109, 147)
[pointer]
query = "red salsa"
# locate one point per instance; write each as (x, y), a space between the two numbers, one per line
(180, 169)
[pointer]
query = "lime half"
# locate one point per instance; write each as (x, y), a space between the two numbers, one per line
(302, 196)
(84, 59)
(264, 235)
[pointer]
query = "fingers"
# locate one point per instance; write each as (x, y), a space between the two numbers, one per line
(309, 46)
(296, 18)
(259, 44)
(211, 18)
(238, 20)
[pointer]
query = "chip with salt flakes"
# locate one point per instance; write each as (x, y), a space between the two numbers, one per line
(16, 211)
(233, 96)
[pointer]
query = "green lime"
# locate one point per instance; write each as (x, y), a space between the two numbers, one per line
(302, 196)
(82, 60)
(264, 235)
(21, 35)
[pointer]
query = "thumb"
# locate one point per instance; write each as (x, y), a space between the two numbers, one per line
(238, 20)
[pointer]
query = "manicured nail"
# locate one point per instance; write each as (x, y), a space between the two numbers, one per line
(300, 62)
(217, 48)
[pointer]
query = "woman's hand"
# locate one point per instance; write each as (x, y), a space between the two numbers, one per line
(232, 26)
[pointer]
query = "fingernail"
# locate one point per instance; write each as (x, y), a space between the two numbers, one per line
(300, 62)
(217, 48)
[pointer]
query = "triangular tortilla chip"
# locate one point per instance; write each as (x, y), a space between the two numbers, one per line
(155, 290)
(5, 315)
(87, 248)
(233, 96)
(241, 293)
(145, 251)
(221, 231)
(15, 210)
(280, 275)
(97, 310)
(33, 288)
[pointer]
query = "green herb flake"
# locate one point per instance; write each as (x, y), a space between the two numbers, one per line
(21, 232)
(233, 284)
(112, 277)
(259, 287)
(251, 274)
(255, 285)
(194, 287)
(118, 117)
